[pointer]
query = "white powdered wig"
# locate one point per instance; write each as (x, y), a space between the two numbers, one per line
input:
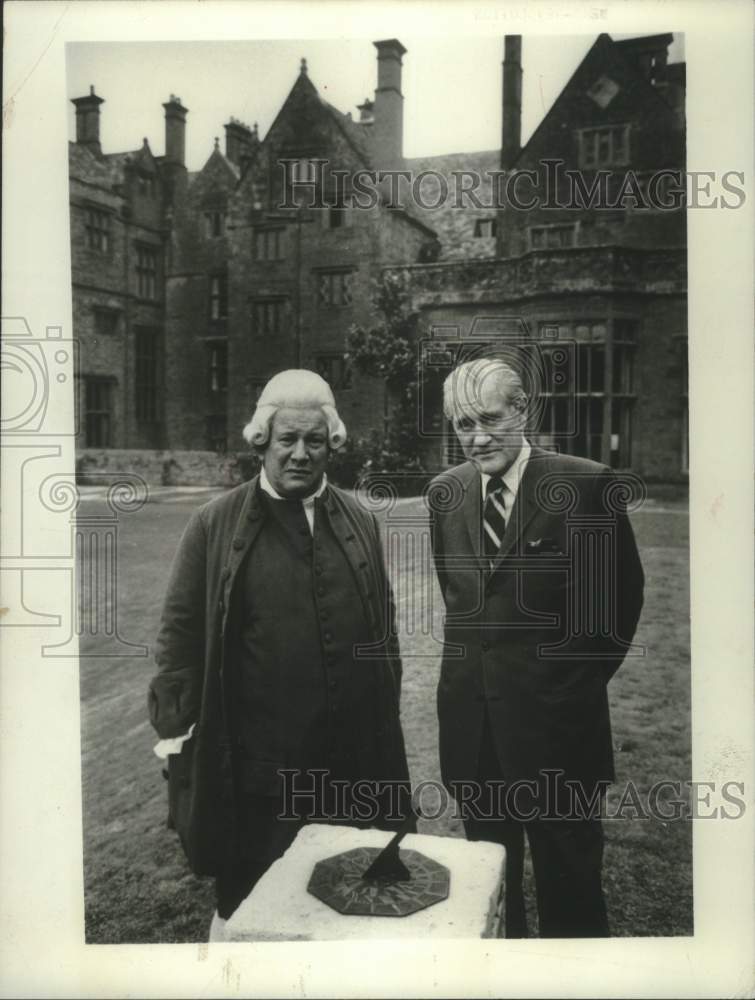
(298, 388)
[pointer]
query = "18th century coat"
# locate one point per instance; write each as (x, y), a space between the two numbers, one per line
(199, 644)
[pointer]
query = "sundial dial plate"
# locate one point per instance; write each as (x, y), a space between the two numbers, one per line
(339, 881)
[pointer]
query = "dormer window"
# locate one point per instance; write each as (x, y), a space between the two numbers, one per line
(214, 221)
(146, 185)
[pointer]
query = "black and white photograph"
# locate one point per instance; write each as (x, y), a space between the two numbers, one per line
(371, 511)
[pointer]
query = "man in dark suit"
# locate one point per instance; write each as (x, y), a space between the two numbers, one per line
(543, 586)
(277, 655)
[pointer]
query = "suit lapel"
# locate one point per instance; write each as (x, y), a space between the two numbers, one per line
(472, 507)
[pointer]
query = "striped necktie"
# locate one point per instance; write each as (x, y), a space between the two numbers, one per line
(496, 515)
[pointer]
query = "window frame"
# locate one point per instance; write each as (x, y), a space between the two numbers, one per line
(213, 369)
(92, 382)
(616, 400)
(215, 221)
(262, 241)
(592, 136)
(278, 305)
(551, 228)
(114, 315)
(217, 298)
(478, 227)
(147, 274)
(98, 229)
(344, 299)
(146, 184)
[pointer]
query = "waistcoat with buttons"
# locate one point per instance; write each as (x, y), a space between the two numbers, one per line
(298, 687)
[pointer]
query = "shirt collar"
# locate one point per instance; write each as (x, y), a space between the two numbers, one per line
(266, 487)
(513, 475)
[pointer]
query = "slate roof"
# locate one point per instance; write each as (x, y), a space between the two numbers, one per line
(106, 171)
(455, 226)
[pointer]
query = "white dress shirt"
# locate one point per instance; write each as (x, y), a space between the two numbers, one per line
(512, 477)
(308, 502)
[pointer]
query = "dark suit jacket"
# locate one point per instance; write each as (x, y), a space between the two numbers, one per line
(534, 641)
(198, 639)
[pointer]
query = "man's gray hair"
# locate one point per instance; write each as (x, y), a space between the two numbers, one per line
(299, 388)
(462, 389)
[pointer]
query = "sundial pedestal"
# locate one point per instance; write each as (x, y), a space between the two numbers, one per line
(457, 890)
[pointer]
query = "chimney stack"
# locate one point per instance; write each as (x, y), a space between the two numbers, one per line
(388, 128)
(511, 128)
(175, 130)
(240, 141)
(88, 120)
(366, 112)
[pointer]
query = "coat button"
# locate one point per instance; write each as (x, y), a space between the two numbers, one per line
(485, 645)
(318, 570)
(328, 637)
(238, 543)
(332, 684)
(321, 591)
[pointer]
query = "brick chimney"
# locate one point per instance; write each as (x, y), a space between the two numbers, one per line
(648, 55)
(88, 120)
(175, 130)
(388, 128)
(240, 141)
(511, 125)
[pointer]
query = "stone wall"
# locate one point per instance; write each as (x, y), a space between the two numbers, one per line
(163, 468)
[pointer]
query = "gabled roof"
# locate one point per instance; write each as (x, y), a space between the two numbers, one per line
(218, 162)
(85, 166)
(446, 163)
(115, 164)
(355, 134)
(603, 49)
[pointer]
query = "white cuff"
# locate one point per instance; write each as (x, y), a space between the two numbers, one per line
(165, 747)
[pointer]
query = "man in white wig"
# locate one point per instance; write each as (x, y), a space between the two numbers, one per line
(278, 666)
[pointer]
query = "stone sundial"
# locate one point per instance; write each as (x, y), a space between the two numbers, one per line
(387, 882)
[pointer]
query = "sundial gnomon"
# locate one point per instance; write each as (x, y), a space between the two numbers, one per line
(380, 882)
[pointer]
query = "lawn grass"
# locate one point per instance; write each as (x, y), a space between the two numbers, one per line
(138, 888)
